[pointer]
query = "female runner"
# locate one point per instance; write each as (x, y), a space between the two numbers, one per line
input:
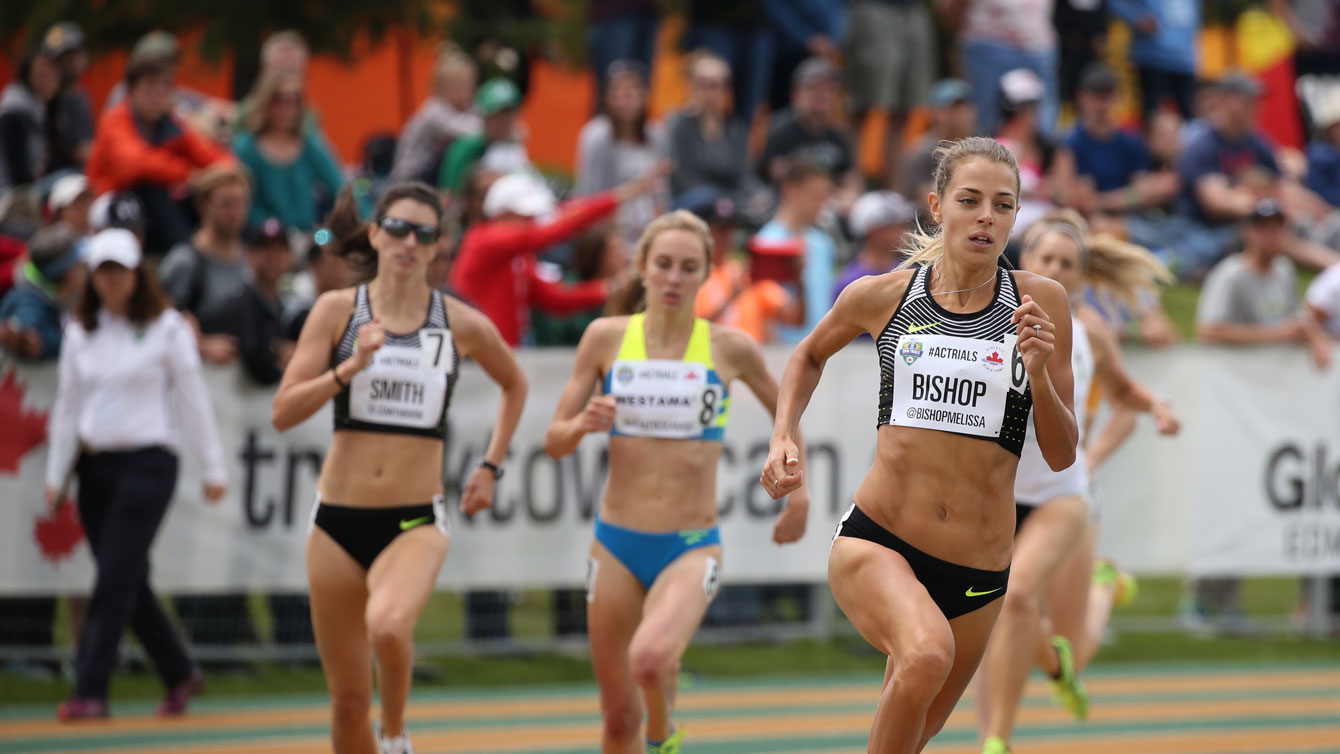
(1052, 516)
(388, 352)
(966, 349)
(664, 379)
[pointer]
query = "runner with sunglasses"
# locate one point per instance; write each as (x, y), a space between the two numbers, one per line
(388, 353)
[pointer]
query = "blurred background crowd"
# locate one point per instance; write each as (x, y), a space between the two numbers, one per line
(802, 131)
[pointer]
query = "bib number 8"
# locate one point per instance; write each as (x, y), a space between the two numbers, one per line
(711, 397)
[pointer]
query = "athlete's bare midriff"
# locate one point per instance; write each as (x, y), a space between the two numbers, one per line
(381, 469)
(949, 496)
(661, 485)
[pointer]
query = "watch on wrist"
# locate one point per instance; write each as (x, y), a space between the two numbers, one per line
(495, 468)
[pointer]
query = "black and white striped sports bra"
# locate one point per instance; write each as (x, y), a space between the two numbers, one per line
(958, 373)
(407, 387)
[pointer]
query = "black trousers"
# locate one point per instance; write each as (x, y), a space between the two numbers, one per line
(1157, 85)
(122, 499)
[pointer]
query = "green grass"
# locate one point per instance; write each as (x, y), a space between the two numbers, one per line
(1270, 598)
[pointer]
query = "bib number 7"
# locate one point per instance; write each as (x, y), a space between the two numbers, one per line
(435, 350)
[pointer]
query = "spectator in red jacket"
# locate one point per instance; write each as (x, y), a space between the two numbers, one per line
(141, 146)
(495, 266)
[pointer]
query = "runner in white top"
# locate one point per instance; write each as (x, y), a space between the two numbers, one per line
(1053, 535)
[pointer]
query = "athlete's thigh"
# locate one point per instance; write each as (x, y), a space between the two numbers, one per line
(402, 577)
(677, 600)
(881, 596)
(339, 595)
(971, 633)
(1069, 591)
(1044, 541)
(613, 609)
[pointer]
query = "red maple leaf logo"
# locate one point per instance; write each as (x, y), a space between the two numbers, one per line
(692, 375)
(24, 430)
(58, 533)
(994, 358)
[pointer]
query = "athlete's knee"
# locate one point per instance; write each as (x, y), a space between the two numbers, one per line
(653, 664)
(390, 630)
(350, 708)
(926, 664)
(622, 720)
(1022, 600)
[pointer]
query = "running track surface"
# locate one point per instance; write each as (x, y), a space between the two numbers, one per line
(1176, 709)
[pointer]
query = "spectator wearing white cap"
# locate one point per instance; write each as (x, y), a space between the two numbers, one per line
(1022, 93)
(879, 220)
(70, 201)
(46, 286)
(1002, 35)
(128, 367)
(1323, 153)
(495, 267)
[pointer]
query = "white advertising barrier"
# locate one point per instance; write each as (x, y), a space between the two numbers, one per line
(1268, 471)
(539, 530)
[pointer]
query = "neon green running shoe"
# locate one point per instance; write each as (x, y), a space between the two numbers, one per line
(995, 745)
(1106, 572)
(668, 746)
(1069, 690)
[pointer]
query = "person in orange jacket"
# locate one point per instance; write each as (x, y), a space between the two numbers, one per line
(141, 146)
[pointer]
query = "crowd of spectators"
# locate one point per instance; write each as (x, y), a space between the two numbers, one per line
(228, 198)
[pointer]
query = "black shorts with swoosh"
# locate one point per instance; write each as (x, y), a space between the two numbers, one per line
(365, 532)
(956, 589)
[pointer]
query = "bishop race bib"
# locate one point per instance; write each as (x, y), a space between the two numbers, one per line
(404, 386)
(954, 384)
(666, 399)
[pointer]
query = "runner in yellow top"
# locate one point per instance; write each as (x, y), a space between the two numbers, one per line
(656, 560)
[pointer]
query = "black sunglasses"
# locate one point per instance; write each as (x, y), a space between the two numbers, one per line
(398, 228)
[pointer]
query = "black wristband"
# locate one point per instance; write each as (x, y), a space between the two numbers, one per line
(495, 468)
(336, 374)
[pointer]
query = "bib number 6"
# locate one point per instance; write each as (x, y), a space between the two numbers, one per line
(1018, 373)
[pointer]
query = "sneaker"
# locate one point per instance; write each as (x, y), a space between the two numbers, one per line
(1068, 689)
(174, 705)
(1106, 572)
(670, 745)
(995, 745)
(398, 745)
(75, 708)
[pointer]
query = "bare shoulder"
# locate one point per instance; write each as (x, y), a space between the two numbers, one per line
(602, 337)
(337, 303)
(464, 319)
(331, 310)
(734, 346)
(871, 300)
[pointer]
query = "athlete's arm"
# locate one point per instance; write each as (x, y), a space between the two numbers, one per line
(1045, 351)
(307, 382)
(477, 338)
(1119, 426)
(747, 359)
(1122, 389)
(857, 310)
(578, 412)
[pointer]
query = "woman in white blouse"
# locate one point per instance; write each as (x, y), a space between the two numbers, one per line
(130, 385)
